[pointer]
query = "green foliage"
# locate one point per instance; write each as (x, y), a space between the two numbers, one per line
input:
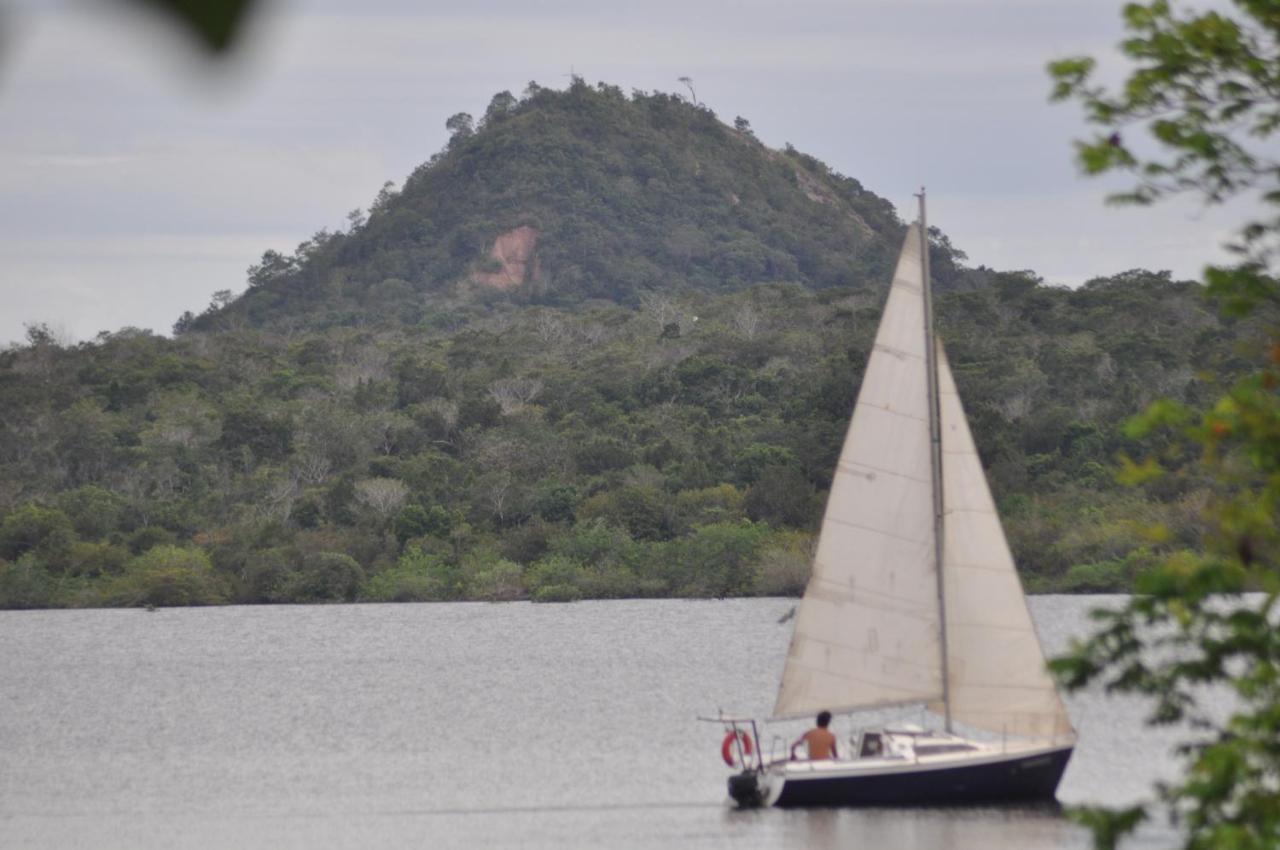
(417, 521)
(720, 559)
(325, 577)
(1104, 577)
(492, 578)
(723, 503)
(94, 511)
(215, 25)
(677, 362)
(781, 495)
(25, 584)
(784, 564)
(624, 195)
(556, 502)
(643, 511)
(33, 528)
(94, 560)
(555, 579)
(1203, 86)
(417, 577)
(611, 464)
(166, 576)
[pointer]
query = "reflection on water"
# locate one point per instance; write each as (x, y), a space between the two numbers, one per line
(449, 726)
(954, 828)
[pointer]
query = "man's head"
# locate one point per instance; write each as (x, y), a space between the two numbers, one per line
(824, 719)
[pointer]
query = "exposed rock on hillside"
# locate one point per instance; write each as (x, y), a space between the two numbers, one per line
(513, 253)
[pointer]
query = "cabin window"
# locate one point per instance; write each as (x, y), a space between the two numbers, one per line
(872, 746)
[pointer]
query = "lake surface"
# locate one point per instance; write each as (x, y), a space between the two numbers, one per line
(453, 725)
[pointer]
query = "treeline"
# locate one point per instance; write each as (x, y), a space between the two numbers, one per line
(642, 394)
(497, 449)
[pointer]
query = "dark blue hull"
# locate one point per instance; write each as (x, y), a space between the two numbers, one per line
(1018, 779)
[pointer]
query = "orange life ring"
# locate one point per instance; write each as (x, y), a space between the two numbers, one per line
(727, 749)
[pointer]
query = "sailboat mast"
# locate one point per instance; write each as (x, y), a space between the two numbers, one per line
(935, 454)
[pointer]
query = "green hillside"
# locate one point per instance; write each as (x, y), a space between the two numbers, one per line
(599, 346)
(606, 197)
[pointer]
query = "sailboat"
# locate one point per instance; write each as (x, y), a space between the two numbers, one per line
(913, 601)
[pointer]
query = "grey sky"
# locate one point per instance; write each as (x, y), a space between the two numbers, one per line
(136, 180)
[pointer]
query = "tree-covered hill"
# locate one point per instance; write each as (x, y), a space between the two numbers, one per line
(641, 392)
(564, 196)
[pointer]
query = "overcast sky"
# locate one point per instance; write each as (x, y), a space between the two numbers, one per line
(136, 178)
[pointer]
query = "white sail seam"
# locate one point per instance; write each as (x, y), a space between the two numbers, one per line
(900, 353)
(893, 411)
(869, 706)
(862, 589)
(849, 524)
(992, 627)
(842, 594)
(849, 466)
(1010, 687)
(866, 680)
(989, 568)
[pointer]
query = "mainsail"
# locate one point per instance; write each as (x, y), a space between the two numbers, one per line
(870, 630)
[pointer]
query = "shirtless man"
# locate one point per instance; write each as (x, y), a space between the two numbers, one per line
(820, 742)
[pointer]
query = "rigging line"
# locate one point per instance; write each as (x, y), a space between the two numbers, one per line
(935, 454)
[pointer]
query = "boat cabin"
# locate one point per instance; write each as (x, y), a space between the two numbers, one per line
(869, 745)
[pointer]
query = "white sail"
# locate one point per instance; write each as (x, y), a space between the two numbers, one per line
(868, 631)
(997, 679)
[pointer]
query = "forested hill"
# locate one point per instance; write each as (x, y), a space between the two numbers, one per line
(586, 193)
(600, 346)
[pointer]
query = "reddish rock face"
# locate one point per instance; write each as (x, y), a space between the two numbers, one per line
(515, 251)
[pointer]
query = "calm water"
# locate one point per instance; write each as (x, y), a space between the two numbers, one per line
(462, 725)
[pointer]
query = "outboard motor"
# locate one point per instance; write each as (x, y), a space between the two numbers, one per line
(747, 790)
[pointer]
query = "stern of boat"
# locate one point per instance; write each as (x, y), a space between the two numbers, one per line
(749, 789)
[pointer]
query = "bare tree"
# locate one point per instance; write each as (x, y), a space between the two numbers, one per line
(549, 327)
(497, 490)
(661, 308)
(386, 429)
(746, 319)
(593, 333)
(445, 414)
(1106, 369)
(693, 95)
(277, 502)
(383, 496)
(312, 468)
(512, 394)
(1016, 405)
(367, 363)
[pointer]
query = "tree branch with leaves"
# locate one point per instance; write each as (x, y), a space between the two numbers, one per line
(1204, 88)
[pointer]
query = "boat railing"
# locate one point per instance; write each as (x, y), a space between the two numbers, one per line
(738, 725)
(777, 743)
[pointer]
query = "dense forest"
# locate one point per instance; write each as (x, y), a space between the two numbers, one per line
(601, 345)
